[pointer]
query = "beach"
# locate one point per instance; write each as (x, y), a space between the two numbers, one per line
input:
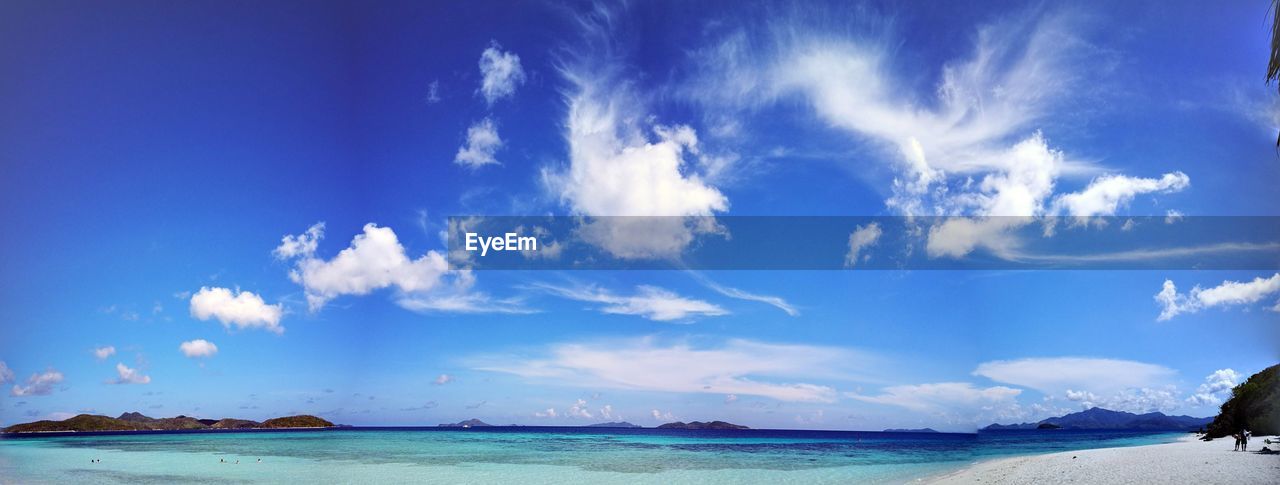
(1187, 461)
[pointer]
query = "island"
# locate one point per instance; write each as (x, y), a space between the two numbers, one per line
(470, 423)
(134, 421)
(1098, 418)
(613, 424)
(702, 425)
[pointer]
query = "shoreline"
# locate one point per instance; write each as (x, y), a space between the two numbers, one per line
(1187, 460)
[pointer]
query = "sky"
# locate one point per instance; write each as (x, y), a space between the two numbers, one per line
(235, 209)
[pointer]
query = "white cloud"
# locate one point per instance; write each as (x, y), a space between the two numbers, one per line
(103, 352)
(6, 375)
(482, 144)
(661, 416)
(860, 239)
(549, 413)
(730, 398)
(129, 376)
(972, 149)
(301, 245)
(741, 367)
(501, 72)
(775, 301)
(198, 348)
(1057, 374)
(942, 396)
(606, 412)
(649, 302)
(1216, 388)
(1107, 194)
(1229, 293)
(1172, 216)
(442, 379)
(622, 163)
(579, 410)
(241, 309)
(375, 260)
(40, 384)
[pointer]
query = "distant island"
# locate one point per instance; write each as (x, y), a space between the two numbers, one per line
(1098, 418)
(139, 422)
(904, 430)
(613, 424)
(470, 423)
(702, 425)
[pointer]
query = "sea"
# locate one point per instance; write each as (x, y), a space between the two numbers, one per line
(526, 455)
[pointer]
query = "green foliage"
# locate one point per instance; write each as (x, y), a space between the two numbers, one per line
(300, 421)
(1254, 405)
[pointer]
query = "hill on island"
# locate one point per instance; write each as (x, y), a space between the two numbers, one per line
(1098, 418)
(702, 425)
(1254, 405)
(300, 421)
(470, 423)
(139, 422)
(613, 424)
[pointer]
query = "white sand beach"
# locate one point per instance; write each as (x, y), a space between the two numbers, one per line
(1187, 461)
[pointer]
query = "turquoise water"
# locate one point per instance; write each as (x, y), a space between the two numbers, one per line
(524, 455)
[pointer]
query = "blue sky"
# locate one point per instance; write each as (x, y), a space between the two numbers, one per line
(155, 156)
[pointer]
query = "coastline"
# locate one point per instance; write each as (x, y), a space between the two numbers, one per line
(1187, 460)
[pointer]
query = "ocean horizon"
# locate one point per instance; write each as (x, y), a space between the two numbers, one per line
(530, 454)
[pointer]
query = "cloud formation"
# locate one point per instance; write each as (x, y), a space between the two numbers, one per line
(500, 73)
(40, 384)
(1229, 293)
(649, 302)
(241, 309)
(6, 374)
(741, 367)
(127, 375)
(1055, 375)
(482, 144)
(101, 353)
(860, 239)
(198, 348)
(949, 397)
(1216, 387)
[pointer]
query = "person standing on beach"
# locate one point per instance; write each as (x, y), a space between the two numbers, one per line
(1239, 439)
(1244, 440)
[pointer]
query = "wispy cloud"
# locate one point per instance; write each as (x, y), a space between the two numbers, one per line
(740, 367)
(1229, 293)
(649, 302)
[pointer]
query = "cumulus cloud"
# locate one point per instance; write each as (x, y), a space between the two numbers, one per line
(1216, 388)
(40, 384)
(661, 416)
(301, 245)
(6, 375)
(860, 239)
(549, 413)
(1106, 194)
(621, 163)
(481, 146)
(376, 260)
(649, 302)
(943, 396)
(501, 73)
(579, 410)
(129, 376)
(101, 353)
(1229, 293)
(741, 367)
(241, 309)
(1054, 375)
(198, 348)
(442, 379)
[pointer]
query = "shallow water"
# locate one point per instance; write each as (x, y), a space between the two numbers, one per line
(527, 455)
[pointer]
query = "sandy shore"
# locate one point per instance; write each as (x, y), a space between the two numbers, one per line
(1187, 461)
